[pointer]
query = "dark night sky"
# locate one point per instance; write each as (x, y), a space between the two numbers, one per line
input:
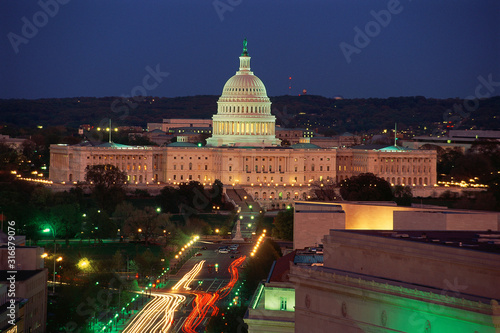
(433, 48)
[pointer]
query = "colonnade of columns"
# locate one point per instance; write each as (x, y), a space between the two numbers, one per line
(243, 128)
(260, 109)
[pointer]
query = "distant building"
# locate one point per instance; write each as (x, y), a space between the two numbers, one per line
(168, 124)
(407, 281)
(461, 139)
(292, 135)
(244, 151)
(11, 142)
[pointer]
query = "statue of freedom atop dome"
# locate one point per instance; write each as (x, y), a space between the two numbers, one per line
(245, 50)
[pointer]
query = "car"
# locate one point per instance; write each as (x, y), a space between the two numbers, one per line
(223, 250)
(234, 247)
(204, 248)
(197, 254)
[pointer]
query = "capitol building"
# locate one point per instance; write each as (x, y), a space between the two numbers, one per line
(244, 152)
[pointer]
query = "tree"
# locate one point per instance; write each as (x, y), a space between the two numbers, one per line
(168, 199)
(68, 218)
(216, 193)
(447, 159)
(147, 222)
(98, 225)
(105, 176)
(192, 198)
(117, 262)
(197, 226)
(147, 263)
(325, 191)
(107, 185)
(472, 165)
(283, 225)
(9, 157)
(403, 195)
(122, 212)
(365, 187)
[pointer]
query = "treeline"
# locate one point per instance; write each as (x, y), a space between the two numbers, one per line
(327, 115)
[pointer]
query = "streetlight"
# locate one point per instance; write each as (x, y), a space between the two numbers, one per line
(54, 272)
(83, 263)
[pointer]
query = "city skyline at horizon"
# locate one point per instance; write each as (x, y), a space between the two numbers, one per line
(363, 50)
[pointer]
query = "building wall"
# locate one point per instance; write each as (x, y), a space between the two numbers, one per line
(35, 310)
(418, 263)
(293, 170)
(27, 258)
(174, 123)
(264, 314)
(413, 168)
(442, 220)
(314, 220)
(329, 300)
(274, 297)
(369, 215)
(68, 163)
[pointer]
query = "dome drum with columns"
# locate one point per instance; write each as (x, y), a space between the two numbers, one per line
(244, 111)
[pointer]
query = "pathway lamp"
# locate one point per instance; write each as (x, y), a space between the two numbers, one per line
(47, 230)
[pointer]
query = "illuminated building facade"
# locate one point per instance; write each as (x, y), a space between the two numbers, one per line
(244, 111)
(373, 281)
(244, 151)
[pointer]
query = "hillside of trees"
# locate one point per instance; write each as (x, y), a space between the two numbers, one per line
(329, 116)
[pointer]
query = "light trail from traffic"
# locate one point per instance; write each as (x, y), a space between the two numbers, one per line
(189, 277)
(233, 270)
(205, 301)
(157, 316)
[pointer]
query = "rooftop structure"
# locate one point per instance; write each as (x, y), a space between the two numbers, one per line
(244, 111)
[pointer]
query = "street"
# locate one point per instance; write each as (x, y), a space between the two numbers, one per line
(194, 293)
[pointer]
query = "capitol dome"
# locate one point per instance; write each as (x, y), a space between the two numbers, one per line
(244, 111)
